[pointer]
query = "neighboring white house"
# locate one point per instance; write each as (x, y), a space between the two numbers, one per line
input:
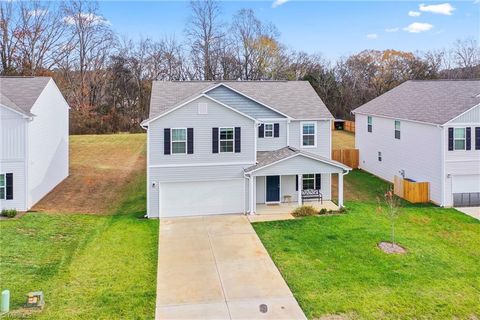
(34, 140)
(222, 147)
(425, 131)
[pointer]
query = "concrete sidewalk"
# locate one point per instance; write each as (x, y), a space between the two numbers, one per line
(215, 267)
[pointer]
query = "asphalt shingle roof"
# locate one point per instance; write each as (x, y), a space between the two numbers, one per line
(431, 101)
(296, 99)
(20, 93)
(265, 158)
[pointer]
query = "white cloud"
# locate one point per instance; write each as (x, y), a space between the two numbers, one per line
(414, 13)
(444, 8)
(278, 3)
(37, 12)
(392, 29)
(418, 27)
(372, 36)
(88, 17)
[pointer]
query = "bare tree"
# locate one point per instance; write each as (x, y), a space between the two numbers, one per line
(205, 33)
(8, 39)
(40, 36)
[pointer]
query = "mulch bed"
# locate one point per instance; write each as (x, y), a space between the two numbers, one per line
(390, 248)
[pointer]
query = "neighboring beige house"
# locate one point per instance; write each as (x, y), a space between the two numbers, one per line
(226, 146)
(426, 131)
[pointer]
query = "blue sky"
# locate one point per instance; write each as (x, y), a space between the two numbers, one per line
(332, 28)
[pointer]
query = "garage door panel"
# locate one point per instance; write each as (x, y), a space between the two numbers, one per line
(467, 183)
(202, 198)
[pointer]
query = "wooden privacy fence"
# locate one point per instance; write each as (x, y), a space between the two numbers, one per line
(348, 157)
(349, 126)
(412, 191)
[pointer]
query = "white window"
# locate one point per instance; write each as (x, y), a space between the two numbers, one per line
(2, 186)
(397, 129)
(308, 181)
(268, 130)
(226, 139)
(459, 138)
(379, 156)
(308, 134)
(179, 140)
(369, 124)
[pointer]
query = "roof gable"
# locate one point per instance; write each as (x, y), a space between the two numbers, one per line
(241, 102)
(21, 93)
(430, 101)
(296, 99)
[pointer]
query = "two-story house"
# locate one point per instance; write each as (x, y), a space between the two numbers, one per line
(224, 147)
(425, 131)
(33, 140)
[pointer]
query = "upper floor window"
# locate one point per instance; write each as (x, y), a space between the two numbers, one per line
(459, 138)
(268, 130)
(379, 156)
(179, 140)
(2, 186)
(369, 124)
(397, 129)
(308, 134)
(226, 139)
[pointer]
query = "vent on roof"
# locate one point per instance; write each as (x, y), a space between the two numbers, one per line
(202, 108)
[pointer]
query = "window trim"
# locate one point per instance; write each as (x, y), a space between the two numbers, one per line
(369, 124)
(220, 140)
(171, 141)
(464, 139)
(4, 187)
(265, 130)
(395, 129)
(313, 178)
(314, 134)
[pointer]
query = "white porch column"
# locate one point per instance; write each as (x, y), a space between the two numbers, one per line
(299, 195)
(340, 190)
(251, 197)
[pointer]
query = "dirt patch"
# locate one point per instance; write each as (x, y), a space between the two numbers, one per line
(100, 166)
(343, 140)
(391, 248)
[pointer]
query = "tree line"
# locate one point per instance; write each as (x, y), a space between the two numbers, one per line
(106, 78)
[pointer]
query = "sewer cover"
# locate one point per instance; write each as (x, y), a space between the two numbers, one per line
(263, 308)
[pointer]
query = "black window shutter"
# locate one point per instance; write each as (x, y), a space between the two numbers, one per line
(318, 181)
(166, 141)
(190, 140)
(9, 185)
(276, 130)
(477, 138)
(468, 132)
(238, 139)
(450, 139)
(261, 131)
(296, 182)
(214, 140)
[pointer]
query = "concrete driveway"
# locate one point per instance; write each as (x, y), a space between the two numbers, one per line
(471, 211)
(215, 267)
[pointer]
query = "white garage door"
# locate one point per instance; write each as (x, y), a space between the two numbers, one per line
(202, 198)
(462, 184)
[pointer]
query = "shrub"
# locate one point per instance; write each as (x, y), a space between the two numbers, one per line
(9, 213)
(323, 211)
(304, 211)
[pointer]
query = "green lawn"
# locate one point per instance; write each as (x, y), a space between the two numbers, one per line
(333, 265)
(89, 267)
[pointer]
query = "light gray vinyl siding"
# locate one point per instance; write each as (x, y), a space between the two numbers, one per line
(471, 116)
(188, 117)
(242, 103)
(297, 165)
(185, 174)
(323, 137)
(19, 201)
(272, 143)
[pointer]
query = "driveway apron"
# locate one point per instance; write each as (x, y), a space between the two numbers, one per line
(215, 267)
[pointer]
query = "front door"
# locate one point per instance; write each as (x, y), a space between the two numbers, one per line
(273, 189)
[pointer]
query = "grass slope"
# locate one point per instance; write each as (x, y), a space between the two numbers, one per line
(343, 139)
(333, 266)
(89, 267)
